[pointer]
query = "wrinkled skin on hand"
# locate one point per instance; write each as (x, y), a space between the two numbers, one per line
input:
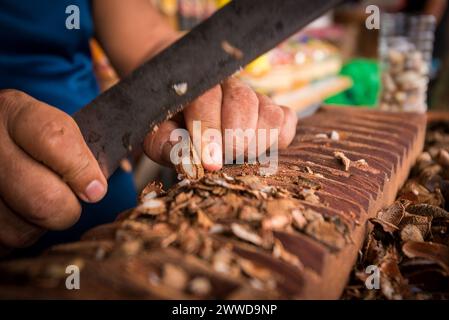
(46, 166)
(231, 105)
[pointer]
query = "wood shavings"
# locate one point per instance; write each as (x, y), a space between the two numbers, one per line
(180, 88)
(155, 128)
(169, 240)
(423, 223)
(411, 232)
(306, 183)
(183, 197)
(183, 183)
(152, 207)
(262, 278)
(299, 220)
(310, 196)
(200, 286)
(252, 182)
(361, 164)
(326, 233)
(443, 158)
(423, 209)
(218, 228)
(393, 214)
(204, 220)
(190, 166)
(129, 248)
(246, 234)
(314, 224)
(310, 171)
(335, 135)
(385, 225)
(232, 50)
(149, 196)
(416, 192)
(424, 159)
(392, 283)
(228, 177)
(278, 221)
(255, 271)
(273, 207)
(249, 213)
(174, 277)
(312, 215)
(155, 189)
(321, 136)
(418, 224)
(344, 160)
(436, 252)
(222, 261)
(280, 252)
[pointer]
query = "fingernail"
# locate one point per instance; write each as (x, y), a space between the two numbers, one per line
(95, 191)
(212, 155)
(216, 154)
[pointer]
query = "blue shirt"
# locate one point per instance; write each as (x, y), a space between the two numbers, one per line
(40, 56)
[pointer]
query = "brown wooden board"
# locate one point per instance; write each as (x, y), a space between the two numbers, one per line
(237, 234)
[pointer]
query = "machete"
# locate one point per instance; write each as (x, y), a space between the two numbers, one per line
(117, 121)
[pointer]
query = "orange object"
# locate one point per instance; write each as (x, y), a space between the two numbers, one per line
(105, 73)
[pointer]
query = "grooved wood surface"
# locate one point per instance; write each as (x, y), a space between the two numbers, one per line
(294, 234)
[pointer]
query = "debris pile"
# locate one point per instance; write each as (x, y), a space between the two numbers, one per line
(409, 241)
(207, 217)
(224, 224)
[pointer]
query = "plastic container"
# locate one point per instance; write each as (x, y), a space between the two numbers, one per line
(405, 51)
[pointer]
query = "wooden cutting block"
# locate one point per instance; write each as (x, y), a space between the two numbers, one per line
(389, 142)
(394, 140)
(239, 235)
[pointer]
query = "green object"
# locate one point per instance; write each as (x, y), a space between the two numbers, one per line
(366, 84)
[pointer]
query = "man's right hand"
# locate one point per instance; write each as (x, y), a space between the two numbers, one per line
(45, 166)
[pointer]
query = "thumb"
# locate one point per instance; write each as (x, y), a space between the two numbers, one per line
(53, 138)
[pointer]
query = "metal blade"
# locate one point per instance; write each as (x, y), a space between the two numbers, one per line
(118, 120)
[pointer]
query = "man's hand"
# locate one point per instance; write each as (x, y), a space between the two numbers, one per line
(44, 165)
(133, 31)
(233, 105)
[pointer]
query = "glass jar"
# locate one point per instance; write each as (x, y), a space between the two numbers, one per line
(405, 51)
